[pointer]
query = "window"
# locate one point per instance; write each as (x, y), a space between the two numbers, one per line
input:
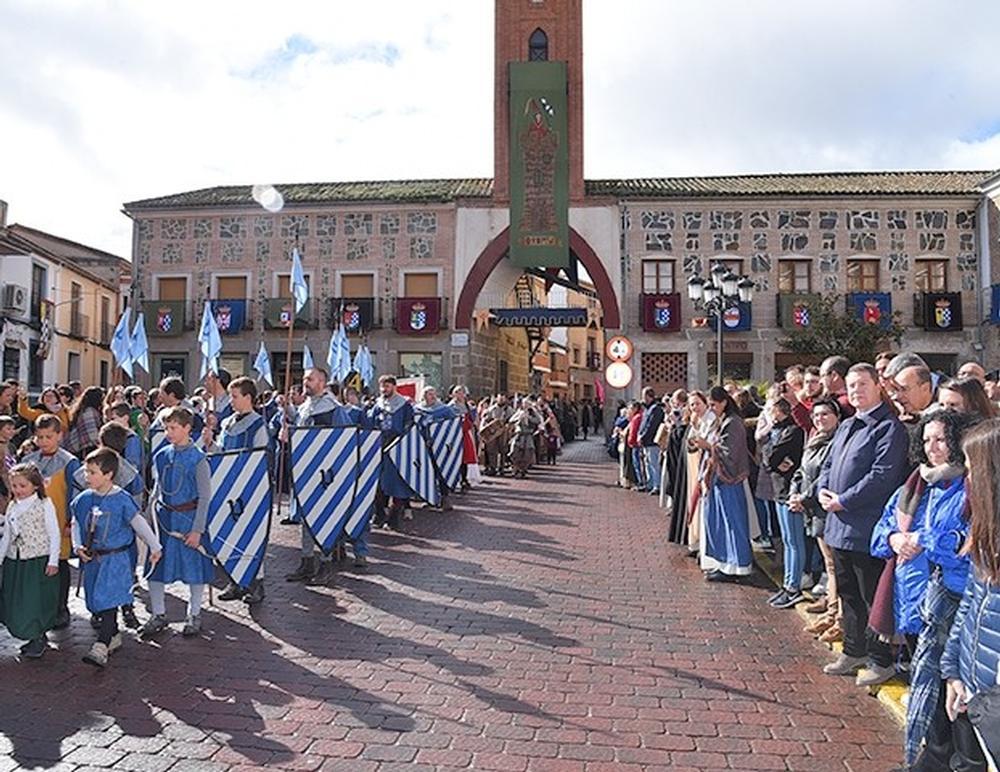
(173, 366)
(429, 365)
(76, 323)
(171, 288)
(38, 293)
(793, 276)
(862, 275)
(538, 46)
(231, 287)
(503, 377)
(357, 285)
(576, 355)
(106, 330)
(931, 276)
(35, 367)
(11, 363)
(234, 364)
(73, 366)
(657, 276)
(284, 284)
(734, 265)
(420, 285)
(104, 373)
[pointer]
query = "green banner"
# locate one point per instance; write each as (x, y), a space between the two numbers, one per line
(539, 165)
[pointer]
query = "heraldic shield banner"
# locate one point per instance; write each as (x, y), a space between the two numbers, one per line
(239, 515)
(445, 440)
(411, 456)
(335, 473)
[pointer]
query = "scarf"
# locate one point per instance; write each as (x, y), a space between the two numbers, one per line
(882, 618)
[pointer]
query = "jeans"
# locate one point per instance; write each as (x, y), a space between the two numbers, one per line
(793, 536)
(652, 453)
(638, 468)
(764, 511)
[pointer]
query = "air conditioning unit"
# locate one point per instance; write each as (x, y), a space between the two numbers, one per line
(15, 298)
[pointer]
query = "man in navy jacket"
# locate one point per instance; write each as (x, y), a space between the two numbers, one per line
(652, 417)
(866, 464)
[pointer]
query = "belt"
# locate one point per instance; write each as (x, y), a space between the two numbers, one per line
(102, 553)
(187, 506)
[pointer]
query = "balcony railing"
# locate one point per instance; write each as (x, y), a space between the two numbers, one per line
(79, 325)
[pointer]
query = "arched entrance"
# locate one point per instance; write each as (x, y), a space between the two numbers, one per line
(495, 251)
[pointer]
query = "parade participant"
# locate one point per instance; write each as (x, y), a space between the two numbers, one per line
(920, 533)
(782, 459)
(242, 430)
(393, 415)
(217, 391)
(430, 408)
(181, 495)
(8, 457)
(971, 660)
(319, 408)
(48, 403)
(727, 552)
(866, 463)
(121, 414)
(57, 467)
(85, 421)
(493, 420)
(106, 520)
(459, 404)
(704, 423)
(526, 422)
(675, 466)
(966, 395)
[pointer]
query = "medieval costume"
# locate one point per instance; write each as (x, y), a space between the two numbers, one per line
(393, 416)
(522, 446)
(726, 536)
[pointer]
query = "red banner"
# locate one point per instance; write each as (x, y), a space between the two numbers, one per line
(418, 316)
(661, 313)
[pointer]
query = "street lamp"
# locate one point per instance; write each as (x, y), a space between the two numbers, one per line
(722, 292)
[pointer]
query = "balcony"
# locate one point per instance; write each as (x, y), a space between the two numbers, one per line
(107, 333)
(593, 360)
(278, 314)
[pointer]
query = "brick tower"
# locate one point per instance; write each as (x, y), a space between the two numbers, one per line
(538, 29)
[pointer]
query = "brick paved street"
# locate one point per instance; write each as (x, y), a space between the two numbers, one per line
(542, 625)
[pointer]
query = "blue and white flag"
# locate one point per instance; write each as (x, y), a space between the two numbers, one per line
(138, 345)
(412, 459)
(262, 364)
(210, 342)
(121, 343)
(239, 514)
(446, 444)
(307, 357)
(157, 440)
(364, 366)
(333, 353)
(335, 472)
(300, 290)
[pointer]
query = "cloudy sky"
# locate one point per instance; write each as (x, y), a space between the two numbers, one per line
(107, 101)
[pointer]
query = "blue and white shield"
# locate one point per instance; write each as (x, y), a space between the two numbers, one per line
(335, 472)
(157, 440)
(239, 515)
(662, 316)
(445, 440)
(411, 456)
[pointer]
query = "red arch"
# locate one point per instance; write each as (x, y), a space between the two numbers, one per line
(491, 256)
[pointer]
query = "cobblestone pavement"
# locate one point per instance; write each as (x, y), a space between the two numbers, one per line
(543, 625)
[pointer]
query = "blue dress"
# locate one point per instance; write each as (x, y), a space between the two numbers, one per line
(394, 418)
(107, 578)
(727, 524)
(176, 484)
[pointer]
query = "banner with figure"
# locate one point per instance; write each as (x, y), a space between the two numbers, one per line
(239, 515)
(411, 456)
(335, 472)
(445, 440)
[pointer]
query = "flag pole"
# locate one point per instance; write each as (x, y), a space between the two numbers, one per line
(288, 389)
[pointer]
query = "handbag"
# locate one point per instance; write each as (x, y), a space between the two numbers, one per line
(984, 714)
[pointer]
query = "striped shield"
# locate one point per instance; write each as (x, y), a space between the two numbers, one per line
(335, 472)
(157, 440)
(445, 440)
(412, 458)
(239, 515)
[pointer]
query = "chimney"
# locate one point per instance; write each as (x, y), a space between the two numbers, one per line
(3, 213)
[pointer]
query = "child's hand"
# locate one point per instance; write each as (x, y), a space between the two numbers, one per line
(154, 558)
(51, 570)
(193, 539)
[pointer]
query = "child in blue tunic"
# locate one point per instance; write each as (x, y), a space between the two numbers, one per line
(105, 521)
(182, 491)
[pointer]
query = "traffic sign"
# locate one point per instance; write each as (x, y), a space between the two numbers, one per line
(618, 375)
(619, 349)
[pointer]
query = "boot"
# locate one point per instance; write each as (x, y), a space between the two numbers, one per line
(232, 592)
(833, 634)
(323, 577)
(97, 656)
(192, 627)
(307, 567)
(255, 593)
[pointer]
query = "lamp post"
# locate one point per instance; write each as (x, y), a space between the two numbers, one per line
(723, 291)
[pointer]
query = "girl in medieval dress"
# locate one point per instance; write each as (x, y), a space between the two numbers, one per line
(703, 423)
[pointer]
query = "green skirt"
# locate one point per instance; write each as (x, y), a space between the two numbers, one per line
(28, 598)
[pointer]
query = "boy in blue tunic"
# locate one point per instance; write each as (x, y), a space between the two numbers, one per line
(393, 414)
(182, 490)
(121, 414)
(242, 430)
(105, 522)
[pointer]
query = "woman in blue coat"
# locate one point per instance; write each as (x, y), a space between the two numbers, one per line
(972, 655)
(921, 532)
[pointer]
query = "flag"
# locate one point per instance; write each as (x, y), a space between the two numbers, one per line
(363, 365)
(333, 353)
(299, 289)
(262, 364)
(445, 440)
(599, 391)
(210, 342)
(138, 345)
(239, 513)
(335, 472)
(412, 459)
(121, 344)
(344, 358)
(157, 440)
(307, 357)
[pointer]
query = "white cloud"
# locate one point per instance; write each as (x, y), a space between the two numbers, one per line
(105, 102)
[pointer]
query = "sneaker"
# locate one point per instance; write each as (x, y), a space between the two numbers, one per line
(232, 592)
(773, 598)
(844, 665)
(129, 618)
(192, 626)
(791, 598)
(873, 675)
(97, 656)
(255, 593)
(154, 625)
(763, 542)
(62, 620)
(34, 649)
(820, 587)
(115, 643)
